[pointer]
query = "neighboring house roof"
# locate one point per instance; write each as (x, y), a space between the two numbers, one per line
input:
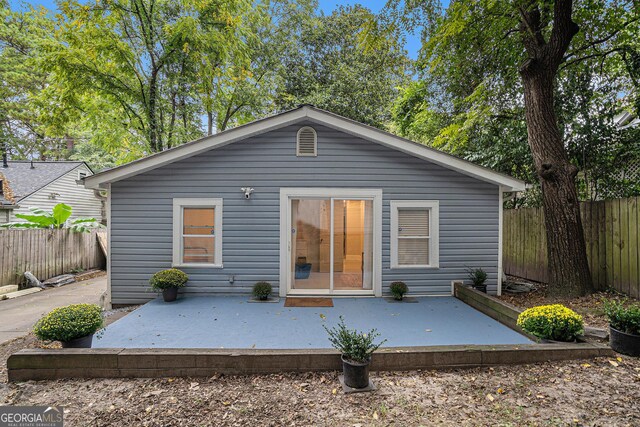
(303, 113)
(25, 177)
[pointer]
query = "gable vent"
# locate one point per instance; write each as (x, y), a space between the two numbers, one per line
(307, 142)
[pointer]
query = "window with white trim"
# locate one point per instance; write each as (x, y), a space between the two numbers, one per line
(414, 233)
(307, 142)
(197, 232)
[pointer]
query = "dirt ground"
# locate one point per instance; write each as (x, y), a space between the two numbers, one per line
(590, 306)
(595, 392)
(604, 391)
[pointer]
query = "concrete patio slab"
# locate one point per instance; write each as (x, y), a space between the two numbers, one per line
(230, 322)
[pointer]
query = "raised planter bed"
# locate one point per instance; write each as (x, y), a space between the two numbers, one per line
(44, 364)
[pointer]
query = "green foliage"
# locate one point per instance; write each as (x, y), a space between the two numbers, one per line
(468, 99)
(167, 279)
(477, 276)
(55, 219)
(624, 319)
(398, 289)
(553, 322)
(332, 67)
(355, 346)
(70, 322)
(262, 290)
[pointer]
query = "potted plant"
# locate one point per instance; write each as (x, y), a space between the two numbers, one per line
(398, 289)
(552, 322)
(262, 290)
(624, 327)
(168, 281)
(478, 277)
(356, 349)
(73, 325)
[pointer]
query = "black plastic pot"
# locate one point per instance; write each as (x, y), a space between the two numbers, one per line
(624, 343)
(170, 294)
(82, 342)
(356, 374)
(481, 288)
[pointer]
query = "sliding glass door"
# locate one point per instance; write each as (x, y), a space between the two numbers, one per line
(331, 245)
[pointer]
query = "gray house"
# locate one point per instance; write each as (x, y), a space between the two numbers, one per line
(312, 202)
(25, 184)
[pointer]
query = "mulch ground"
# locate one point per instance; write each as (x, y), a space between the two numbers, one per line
(603, 391)
(598, 392)
(590, 306)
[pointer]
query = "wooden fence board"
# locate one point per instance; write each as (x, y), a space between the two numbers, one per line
(612, 237)
(46, 253)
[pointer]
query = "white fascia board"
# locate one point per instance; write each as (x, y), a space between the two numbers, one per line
(290, 117)
(193, 148)
(415, 149)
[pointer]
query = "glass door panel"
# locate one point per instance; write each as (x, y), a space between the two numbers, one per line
(311, 244)
(352, 244)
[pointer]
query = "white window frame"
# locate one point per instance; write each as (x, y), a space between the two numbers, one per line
(315, 143)
(434, 230)
(178, 242)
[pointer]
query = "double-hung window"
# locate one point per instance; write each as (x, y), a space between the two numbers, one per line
(414, 233)
(197, 232)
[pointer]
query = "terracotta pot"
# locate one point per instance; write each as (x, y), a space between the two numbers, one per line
(82, 342)
(624, 343)
(356, 374)
(170, 294)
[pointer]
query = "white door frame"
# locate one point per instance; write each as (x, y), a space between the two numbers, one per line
(286, 194)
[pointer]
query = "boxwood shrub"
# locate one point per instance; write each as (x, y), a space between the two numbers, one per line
(70, 322)
(262, 290)
(552, 322)
(170, 278)
(398, 289)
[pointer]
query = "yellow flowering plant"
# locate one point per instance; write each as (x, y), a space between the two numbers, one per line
(552, 322)
(70, 322)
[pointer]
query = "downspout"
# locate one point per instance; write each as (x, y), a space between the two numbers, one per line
(500, 221)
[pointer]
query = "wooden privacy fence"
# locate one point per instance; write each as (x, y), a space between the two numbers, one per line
(611, 233)
(46, 253)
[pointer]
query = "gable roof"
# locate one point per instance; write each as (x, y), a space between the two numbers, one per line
(304, 113)
(23, 180)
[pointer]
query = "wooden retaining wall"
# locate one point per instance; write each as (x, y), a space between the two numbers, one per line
(612, 236)
(46, 253)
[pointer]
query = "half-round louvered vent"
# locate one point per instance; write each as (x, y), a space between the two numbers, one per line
(307, 142)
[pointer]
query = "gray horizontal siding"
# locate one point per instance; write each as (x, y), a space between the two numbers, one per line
(141, 218)
(83, 202)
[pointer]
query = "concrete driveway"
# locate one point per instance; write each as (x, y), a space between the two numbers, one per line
(18, 315)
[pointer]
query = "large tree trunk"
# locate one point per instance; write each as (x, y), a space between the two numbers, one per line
(154, 141)
(568, 266)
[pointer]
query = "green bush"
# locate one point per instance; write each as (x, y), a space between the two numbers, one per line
(398, 289)
(70, 322)
(262, 290)
(553, 322)
(170, 278)
(624, 319)
(477, 276)
(354, 346)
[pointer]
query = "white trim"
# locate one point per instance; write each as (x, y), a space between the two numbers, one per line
(285, 237)
(434, 231)
(108, 297)
(294, 116)
(315, 142)
(178, 205)
(500, 222)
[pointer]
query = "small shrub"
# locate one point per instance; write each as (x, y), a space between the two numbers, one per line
(70, 322)
(354, 346)
(477, 276)
(398, 289)
(553, 322)
(624, 319)
(262, 290)
(170, 278)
